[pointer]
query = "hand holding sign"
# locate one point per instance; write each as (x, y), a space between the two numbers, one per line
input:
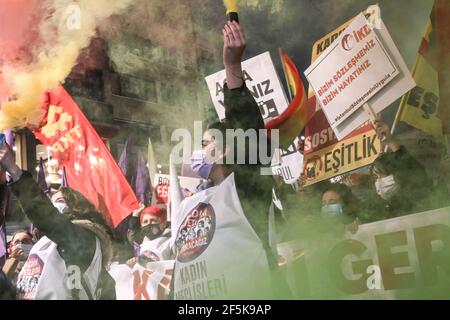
(384, 134)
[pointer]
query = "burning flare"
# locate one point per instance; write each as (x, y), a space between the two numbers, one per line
(65, 28)
(232, 9)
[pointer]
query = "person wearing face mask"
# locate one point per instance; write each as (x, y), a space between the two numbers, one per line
(400, 180)
(59, 202)
(77, 241)
(18, 251)
(237, 185)
(339, 204)
(149, 230)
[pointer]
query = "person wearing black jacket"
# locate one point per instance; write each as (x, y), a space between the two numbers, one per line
(401, 181)
(79, 239)
(6, 290)
(243, 113)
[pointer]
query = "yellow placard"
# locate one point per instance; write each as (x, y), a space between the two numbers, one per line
(345, 156)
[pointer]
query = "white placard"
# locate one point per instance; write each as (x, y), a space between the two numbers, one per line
(261, 79)
(351, 71)
(385, 96)
(288, 164)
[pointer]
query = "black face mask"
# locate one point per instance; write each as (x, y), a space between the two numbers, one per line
(151, 231)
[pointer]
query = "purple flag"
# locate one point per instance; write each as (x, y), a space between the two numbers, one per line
(123, 159)
(64, 183)
(41, 177)
(2, 242)
(143, 188)
(9, 137)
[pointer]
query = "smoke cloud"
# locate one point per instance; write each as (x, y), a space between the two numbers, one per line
(39, 61)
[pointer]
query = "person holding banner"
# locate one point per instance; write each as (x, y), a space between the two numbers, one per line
(70, 262)
(400, 180)
(223, 230)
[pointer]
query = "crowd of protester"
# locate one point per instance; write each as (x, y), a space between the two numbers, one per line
(69, 231)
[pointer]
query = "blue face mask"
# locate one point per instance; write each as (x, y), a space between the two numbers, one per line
(199, 164)
(332, 209)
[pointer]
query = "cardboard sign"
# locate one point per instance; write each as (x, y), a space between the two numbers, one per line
(397, 86)
(350, 71)
(319, 136)
(352, 153)
(401, 258)
(261, 79)
(162, 187)
(288, 164)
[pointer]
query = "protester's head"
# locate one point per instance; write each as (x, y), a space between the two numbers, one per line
(22, 240)
(59, 202)
(338, 200)
(153, 222)
(203, 161)
(387, 182)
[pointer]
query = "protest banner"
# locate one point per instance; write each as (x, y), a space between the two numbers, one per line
(319, 136)
(151, 282)
(352, 153)
(288, 164)
(261, 79)
(162, 187)
(352, 70)
(397, 86)
(401, 258)
(211, 223)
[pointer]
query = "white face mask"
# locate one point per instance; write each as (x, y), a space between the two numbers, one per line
(26, 250)
(386, 187)
(60, 206)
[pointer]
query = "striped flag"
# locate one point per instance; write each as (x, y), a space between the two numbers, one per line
(293, 120)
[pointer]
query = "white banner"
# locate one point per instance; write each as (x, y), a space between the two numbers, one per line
(402, 258)
(143, 283)
(261, 79)
(219, 255)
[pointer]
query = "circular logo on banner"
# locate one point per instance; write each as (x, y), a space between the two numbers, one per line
(348, 42)
(313, 167)
(195, 232)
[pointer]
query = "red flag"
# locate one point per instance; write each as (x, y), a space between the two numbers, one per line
(89, 166)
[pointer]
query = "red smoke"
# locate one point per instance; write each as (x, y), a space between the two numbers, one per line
(19, 22)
